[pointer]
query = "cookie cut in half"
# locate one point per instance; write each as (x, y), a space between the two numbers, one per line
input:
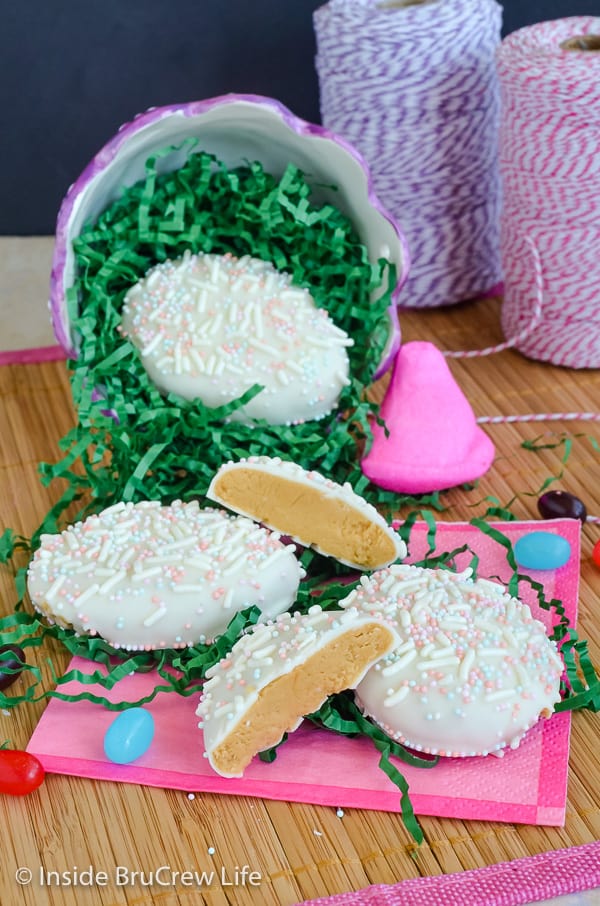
(473, 670)
(145, 576)
(280, 671)
(310, 508)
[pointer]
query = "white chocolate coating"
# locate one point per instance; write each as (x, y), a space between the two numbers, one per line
(264, 655)
(329, 517)
(211, 326)
(473, 672)
(145, 576)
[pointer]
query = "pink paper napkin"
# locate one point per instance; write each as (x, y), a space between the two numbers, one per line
(528, 785)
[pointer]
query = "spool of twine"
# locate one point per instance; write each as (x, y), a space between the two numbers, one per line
(412, 84)
(550, 166)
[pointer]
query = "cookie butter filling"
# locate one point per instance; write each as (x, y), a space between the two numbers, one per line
(310, 508)
(280, 672)
(212, 326)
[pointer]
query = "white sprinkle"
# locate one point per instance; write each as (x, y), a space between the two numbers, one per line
(466, 664)
(178, 358)
(268, 563)
(260, 662)
(405, 618)
(258, 321)
(400, 664)
(55, 588)
(156, 616)
(340, 813)
(115, 508)
(125, 526)
(398, 696)
(190, 541)
(201, 301)
(87, 594)
(71, 540)
(152, 345)
(500, 695)
(264, 347)
(387, 582)
(160, 561)
(443, 639)
(114, 580)
(454, 623)
(441, 662)
(215, 325)
(440, 652)
(86, 568)
(146, 574)
(264, 652)
(487, 626)
(293, 295)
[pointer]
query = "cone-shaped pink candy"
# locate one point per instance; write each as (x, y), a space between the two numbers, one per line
(434, 440)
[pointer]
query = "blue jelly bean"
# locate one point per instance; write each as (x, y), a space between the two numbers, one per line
(129, 736)
(542, 550)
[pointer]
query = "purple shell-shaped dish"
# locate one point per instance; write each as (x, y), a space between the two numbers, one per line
(236, 128)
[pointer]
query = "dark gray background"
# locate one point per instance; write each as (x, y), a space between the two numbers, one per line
(72, 71)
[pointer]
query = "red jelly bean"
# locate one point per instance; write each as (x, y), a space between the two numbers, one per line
(596, 554)
(20, 772)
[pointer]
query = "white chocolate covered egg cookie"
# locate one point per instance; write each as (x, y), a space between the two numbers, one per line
(310, 508)
(145, 576)
(473, 671)
(211, 326)
(279, 671)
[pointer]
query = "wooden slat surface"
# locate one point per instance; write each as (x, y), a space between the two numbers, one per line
(300, 851)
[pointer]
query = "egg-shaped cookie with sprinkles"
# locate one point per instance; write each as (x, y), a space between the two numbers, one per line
(473, 671)
(280, 671)
(145, 576)
(310, 508)
(211, 326)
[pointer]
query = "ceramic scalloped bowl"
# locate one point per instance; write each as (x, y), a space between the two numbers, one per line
(235, 128)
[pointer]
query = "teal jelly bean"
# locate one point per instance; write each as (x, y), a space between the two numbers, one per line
(129, 736)
(542, 550)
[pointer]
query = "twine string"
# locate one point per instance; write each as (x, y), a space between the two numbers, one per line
(550, 170)
(414, 87)
(512, 342)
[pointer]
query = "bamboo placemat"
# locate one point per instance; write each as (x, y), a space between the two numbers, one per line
(300, 851)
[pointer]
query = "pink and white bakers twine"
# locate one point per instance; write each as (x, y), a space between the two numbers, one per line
(414, 88)
(550, 167)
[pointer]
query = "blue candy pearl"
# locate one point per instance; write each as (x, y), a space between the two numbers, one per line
(129, 736)
(542, 550)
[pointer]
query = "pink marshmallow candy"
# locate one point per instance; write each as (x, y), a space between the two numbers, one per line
(434, 441)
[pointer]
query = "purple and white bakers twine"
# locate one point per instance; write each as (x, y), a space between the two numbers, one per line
(550, 167)
(415, 89)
